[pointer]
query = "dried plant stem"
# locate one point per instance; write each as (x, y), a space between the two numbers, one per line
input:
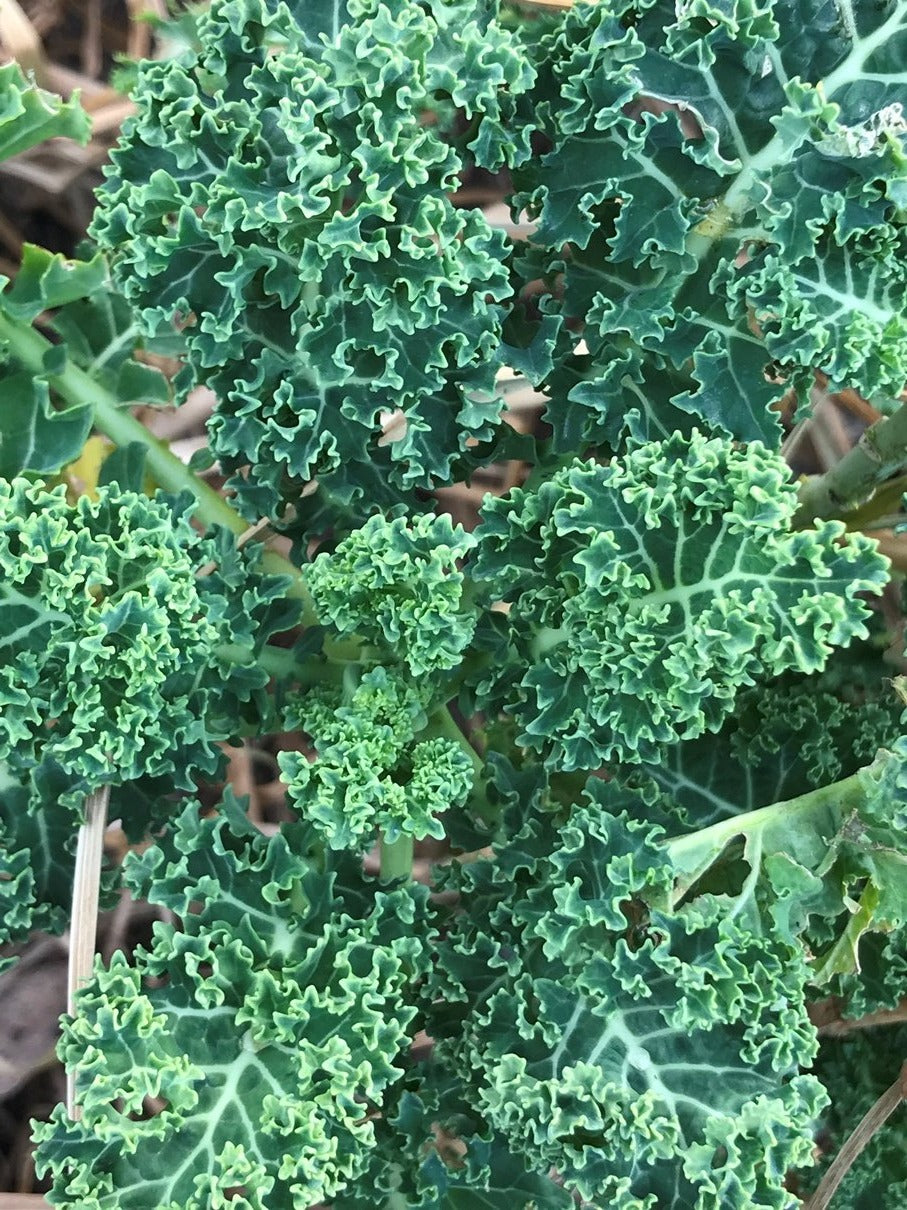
(84, 923)
(92, 52)
(872, 1122)
(892, 1016)
(21, 40)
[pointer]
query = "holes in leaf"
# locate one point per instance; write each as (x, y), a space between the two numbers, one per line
(366, 363)
(583, 1138)
(393, 427)
(726, 876)
(151, 1108)
(637, 917)
(184, 319)
(445, 1144)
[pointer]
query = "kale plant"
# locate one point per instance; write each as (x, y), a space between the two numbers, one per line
(646, 706)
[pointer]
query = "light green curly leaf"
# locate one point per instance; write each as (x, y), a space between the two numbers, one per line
(266, 1025)
(647, 593)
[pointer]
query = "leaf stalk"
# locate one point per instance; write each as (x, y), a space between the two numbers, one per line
(880, 453)
(396, 858)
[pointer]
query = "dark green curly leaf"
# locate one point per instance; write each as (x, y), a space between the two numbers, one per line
(267, 1024)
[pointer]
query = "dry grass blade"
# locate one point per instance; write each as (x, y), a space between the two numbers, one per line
(872, 1122)
(20, 40)
(84, 920)
(140, 36)
(826, 1016)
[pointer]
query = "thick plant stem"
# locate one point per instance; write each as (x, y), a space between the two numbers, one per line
(171, 473)
(396, 858)
(278, 663)
(880, 453)
(84, 921)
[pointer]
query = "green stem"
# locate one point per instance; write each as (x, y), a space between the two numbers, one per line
(170, 472)
(885, 502)
(847, 792)
(884, 522)
(79, 389)
(694, 853)
(880, 453)
(442, 725)
(396, 858)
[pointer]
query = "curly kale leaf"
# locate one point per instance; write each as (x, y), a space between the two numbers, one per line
(721, 203)
(376, 765)
(782, 740)
(588, 1023)
(265, 1028)
(870, 974)
(433, 1152)
(118, 660)
(29, 115)
(647, 593)
(829, 866)
(880, 982)
(290, 213)
(36, 865)
(396, 583)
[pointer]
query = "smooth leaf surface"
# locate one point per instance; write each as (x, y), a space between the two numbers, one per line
(29, 115)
